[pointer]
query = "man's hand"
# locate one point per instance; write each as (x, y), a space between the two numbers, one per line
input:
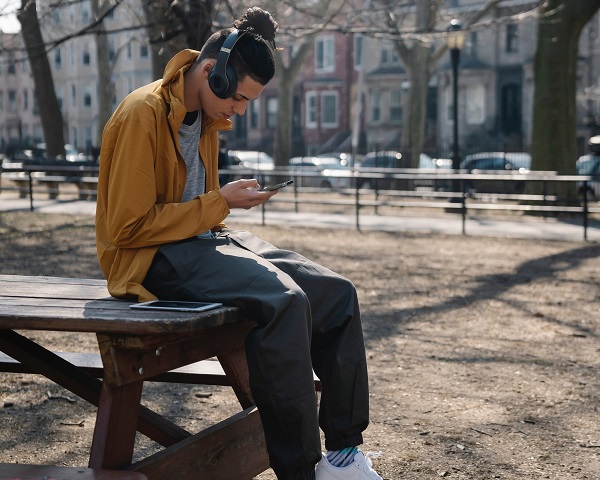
(244, 194)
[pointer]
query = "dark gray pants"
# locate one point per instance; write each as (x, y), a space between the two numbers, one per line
(308, 318)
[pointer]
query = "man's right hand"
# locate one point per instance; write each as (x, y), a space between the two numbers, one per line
(245, 194)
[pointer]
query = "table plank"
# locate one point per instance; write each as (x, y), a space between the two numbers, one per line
(84, 305)
(107, 316)
(53, 287)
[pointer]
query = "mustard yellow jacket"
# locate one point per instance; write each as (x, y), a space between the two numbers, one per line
(142, 178)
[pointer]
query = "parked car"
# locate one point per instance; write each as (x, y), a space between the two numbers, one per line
(589, 165)
(376, 163)
(517, 163)
(37, 155)
(345, 158)
(253, 159)
(320, 172)
(428, 164)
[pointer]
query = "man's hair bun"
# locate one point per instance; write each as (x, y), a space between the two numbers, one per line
(259, 23)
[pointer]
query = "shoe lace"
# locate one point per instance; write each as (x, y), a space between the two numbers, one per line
(368, 456)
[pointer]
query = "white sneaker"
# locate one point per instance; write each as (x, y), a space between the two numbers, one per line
(359, 469)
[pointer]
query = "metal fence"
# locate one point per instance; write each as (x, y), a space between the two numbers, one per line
(358, 190)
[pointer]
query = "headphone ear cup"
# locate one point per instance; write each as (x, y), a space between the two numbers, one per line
(223, 86)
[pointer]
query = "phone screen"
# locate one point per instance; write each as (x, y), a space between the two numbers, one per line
(278, 186)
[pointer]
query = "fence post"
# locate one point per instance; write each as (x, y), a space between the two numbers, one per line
(30, 185)
(585, 210)
(357, 205)
(463, 205)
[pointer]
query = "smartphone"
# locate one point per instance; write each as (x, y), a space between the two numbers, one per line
(276, 187)
(176, 305)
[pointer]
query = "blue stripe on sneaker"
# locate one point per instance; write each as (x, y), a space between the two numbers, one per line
(342, 458)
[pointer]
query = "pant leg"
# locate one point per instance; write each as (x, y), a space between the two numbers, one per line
(337, 347)
(278, 350)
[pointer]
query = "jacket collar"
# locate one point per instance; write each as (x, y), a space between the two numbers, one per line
(172, 91)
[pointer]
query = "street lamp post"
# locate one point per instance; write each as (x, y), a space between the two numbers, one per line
(455, 40)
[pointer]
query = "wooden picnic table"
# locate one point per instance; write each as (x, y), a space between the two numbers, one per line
(136, 346)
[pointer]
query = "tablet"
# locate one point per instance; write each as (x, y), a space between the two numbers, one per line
(176, 305)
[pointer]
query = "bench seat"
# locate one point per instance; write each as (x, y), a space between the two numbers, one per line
(205, 372)
(19, 471)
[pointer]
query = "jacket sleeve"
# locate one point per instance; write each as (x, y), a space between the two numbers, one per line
(145, 183)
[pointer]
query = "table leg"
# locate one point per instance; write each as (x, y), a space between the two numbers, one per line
(236, 368)
(116, 425)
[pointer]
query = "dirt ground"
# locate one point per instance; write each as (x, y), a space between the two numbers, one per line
(484, 353)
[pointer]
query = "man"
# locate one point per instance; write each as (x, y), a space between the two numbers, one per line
(160, 233)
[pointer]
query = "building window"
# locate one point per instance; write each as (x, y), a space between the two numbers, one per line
(272, 108)
(111, 50)
(471, 45)
(329, 109)
(475, 98)
(396, 106)
(359, 42)
(57, 59)
(512, 38)
(73, 96)
(255, 114)
(128, 49)
(389, 55)
(12, 68)
(376, 106)
(1, 100)
(311, 110)
(85, 57)
(25, 99)
(36, 105)
(87, 99)
(324, 54)
(59, 96)
(12, 101)
(144, 51)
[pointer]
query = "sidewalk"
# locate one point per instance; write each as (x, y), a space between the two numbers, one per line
(449, 224)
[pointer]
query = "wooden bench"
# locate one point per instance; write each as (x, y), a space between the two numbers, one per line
(52, 176)
(87, 186)
(20, 180)
(11, 471)
(205, 372)
(135, 347)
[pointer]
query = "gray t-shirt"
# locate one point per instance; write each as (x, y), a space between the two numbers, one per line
(195, 184)
(189, 137)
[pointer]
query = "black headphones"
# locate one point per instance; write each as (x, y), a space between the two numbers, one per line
(222, 78)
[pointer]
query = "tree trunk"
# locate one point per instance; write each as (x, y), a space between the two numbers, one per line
(554, 139)
(106, 88)
(413, 118)
(285, 97)
(283, 133)
(50, 114)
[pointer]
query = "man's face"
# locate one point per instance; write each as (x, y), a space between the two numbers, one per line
(215, 107)
(247, 90)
